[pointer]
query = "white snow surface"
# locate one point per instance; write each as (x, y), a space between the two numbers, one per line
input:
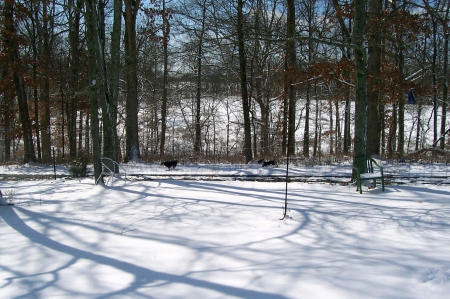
(69, 238)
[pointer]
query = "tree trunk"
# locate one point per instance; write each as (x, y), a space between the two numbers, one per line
(80, 131)
(307, 121)
(383, 126)
(74, 84)
(198, 127)
(34, 38)
(338, 132)
(45, 90)
(109, 94)
(6, 108)
(330, 103)
(110, 132)
(434, 74)
(401, 100)
(316, 123)
(419, 124)
(264, 110)
(359, 53)
(393, 131)
(131, 107)
(243, 78)
(166, 32)
(290, 72)
(95, 84)
(445, 86)
(45, 122)
(374, 78)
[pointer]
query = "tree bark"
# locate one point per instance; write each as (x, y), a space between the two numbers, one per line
(95, 84)
(198, 127)
(74, 83)
(374, 78)
(401, 79)
(290, 72)
(34, 41)
(306, 132)
(243, 79)
(445, 79)
(109, 93)
(166, 32)
(110, 112)
(359, 53)
(132, 106)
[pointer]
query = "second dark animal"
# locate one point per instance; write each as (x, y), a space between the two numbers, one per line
(170, 164)
(268, 163)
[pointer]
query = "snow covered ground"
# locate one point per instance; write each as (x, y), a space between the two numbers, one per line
(395, 172)
(67, 238)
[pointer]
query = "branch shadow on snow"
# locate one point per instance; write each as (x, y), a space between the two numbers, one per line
(328, 228)
(142, 276)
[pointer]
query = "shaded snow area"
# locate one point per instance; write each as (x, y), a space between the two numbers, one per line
(223, 239)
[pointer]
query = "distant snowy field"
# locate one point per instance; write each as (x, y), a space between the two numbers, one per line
(170, 238)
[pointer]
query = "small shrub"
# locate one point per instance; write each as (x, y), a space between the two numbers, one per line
(9, 196)
(78, 167)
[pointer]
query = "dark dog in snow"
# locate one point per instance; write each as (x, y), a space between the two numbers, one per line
(170, 164)
(267, 163)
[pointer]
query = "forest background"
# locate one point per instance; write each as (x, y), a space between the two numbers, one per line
(232, 81)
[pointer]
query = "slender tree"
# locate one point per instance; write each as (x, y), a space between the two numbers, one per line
(74, 12)
(200, 36)
(243, 78)
(165, 41)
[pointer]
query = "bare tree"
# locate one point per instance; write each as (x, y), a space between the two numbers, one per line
(165, 41)
(243, 77)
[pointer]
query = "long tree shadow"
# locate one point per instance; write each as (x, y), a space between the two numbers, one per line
(142, 276)
(338, 224)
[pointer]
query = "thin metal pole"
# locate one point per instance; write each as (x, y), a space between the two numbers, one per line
(287, 179)
(54, 163)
